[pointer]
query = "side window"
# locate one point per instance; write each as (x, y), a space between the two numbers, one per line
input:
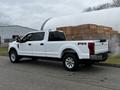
(37, 36)
(34, 37)
(27, 37)
(56, 36)
(51, 36)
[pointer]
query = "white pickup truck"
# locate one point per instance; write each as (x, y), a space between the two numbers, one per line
(53, 45)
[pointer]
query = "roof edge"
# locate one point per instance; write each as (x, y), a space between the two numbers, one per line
(18, 26)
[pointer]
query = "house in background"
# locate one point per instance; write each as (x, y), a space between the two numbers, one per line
(7, 32)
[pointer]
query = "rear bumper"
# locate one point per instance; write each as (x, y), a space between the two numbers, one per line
(99, 57)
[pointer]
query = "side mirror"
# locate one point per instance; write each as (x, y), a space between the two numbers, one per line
(18, 39)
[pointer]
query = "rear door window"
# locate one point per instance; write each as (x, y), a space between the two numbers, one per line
(56, 36)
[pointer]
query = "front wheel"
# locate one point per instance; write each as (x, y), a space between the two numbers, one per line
(70, 62)
(14, 58)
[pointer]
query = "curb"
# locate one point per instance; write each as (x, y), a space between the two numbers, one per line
(108, 64)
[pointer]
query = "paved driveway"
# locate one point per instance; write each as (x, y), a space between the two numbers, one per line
(50, 75)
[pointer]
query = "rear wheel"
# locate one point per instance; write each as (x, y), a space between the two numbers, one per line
(70, 62)
(14, 58)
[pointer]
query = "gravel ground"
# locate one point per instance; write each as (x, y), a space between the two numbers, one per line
(50, 75)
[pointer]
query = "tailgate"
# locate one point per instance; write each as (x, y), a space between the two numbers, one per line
(101, 46)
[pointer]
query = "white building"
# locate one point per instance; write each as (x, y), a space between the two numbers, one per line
(106, 17)
(7, 32)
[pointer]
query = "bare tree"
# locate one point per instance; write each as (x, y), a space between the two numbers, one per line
(116, 3)
(99, 7)
(88, 9)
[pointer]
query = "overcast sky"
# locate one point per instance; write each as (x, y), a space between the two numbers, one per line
(32, 13)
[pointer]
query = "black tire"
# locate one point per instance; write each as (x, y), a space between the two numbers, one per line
(14, 58)
(70, 62)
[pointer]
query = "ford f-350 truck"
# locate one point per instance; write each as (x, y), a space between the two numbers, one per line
(53, 45)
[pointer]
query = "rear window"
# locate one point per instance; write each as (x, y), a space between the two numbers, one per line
(56, 36)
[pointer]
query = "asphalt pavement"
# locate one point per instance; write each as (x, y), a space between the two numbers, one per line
(50, 75)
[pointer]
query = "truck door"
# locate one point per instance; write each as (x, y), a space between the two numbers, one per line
(25, 46)
(38, 48)
(54, 43)
(32, 44)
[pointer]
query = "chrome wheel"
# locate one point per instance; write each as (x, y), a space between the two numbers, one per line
(13, 57)
(69, 62)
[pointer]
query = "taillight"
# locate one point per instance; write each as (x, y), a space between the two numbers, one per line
(91, 47)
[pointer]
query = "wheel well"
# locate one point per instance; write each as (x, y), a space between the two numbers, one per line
(12, 49)
(69, 50)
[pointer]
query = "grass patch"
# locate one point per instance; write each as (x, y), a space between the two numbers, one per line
(113, 60)
(3, 51)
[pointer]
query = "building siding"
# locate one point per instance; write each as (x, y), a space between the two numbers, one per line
(6, 32)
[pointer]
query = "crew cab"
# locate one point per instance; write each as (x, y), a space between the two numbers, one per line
(53, 45)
